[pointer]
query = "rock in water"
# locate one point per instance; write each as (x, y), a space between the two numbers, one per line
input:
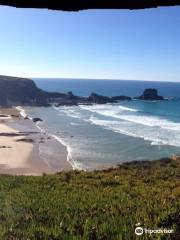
(150, 94)
(121, 98)
(37, 120)
(99, 99)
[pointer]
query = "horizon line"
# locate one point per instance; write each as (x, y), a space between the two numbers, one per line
(93, 79)
(105, 79)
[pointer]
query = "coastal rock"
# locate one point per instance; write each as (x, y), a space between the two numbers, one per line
(66, 102)
(150, 94)
(70, 95)
(22, 91)
(121, 98)
(37, 119)
(99, 99)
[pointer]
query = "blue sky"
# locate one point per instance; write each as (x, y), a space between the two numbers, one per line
(107, 44)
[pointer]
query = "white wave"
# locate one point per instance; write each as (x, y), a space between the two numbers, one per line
(150, 121)
(76, 165)
(69, 111)
(156, 137)
(128, 109)
(22, 111)
(106, 107)
(114, 111)
(157, 143)
(74, 124)
(40, 128)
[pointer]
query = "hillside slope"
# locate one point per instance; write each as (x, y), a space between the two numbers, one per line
(22, 91)
(104, 205)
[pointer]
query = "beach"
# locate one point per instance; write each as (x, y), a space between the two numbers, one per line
(20, 141)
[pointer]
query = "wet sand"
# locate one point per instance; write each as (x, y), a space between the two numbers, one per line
(20, 141)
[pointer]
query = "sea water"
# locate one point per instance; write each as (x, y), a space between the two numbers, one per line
(103, 135)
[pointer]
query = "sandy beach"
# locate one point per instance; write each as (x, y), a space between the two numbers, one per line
(20, 140)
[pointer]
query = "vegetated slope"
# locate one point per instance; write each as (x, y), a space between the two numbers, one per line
(92, 205)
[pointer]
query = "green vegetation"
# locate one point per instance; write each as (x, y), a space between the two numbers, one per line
(92, 205)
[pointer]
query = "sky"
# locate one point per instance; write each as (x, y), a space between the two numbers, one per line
(99, 44)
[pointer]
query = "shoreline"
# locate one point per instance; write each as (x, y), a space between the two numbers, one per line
(20, 144)
(24, 147)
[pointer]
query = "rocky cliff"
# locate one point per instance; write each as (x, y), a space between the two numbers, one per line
(21, 91)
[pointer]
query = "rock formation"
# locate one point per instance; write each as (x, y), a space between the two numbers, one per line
(150, 94)
(121, 98)
(21, 91)
(99, 99)
(37, 119)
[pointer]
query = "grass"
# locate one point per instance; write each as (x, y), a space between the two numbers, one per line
(92, 205)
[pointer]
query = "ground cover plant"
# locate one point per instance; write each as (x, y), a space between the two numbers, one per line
(92, 205)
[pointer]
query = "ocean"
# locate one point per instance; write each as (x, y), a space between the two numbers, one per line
(104, 135)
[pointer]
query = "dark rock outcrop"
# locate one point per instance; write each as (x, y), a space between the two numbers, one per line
(70, 100)
(76, 5)
(70, 95)
(121, 98)
(37, 119)
(150, 94)
(21, 91)
(66, 102)
(99, 99)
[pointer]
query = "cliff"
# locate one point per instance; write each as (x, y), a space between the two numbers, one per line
(21, 91)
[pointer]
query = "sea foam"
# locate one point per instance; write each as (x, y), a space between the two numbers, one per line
(76, 165)
(21, 111)
(156, 137)
(151, 121)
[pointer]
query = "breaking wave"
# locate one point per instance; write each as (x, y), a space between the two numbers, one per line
(155, 136)
(128, 121)
(151, 121)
